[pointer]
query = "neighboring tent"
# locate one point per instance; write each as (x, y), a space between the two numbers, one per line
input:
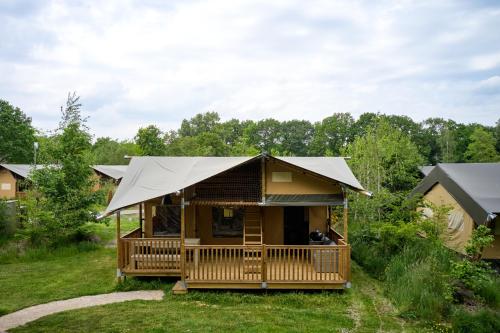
(113, 171)
(475, 186)
(426, 169)
(21, 170)
(151, 177)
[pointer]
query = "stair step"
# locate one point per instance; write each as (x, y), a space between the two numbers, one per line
(253, 242)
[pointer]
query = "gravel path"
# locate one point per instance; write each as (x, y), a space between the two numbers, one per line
(26, 315)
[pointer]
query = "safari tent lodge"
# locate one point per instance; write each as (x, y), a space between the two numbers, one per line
(472, 192)
(237, 222)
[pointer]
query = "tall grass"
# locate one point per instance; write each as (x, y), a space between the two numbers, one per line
(15, 252)
(418, 281)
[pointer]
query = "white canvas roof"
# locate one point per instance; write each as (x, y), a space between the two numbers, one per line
(113, 171)
(151, 177)
(22, 170)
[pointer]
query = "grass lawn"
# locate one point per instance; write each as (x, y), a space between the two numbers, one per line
(361, 309)
(41, 275)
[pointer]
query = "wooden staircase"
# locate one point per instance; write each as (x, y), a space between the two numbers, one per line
(252, 233)
(252, 236)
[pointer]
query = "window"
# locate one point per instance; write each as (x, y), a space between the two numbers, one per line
(227, 222)
(167, 220)
(281, 177)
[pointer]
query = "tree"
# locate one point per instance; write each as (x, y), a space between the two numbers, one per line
(150, 141)
(71, 114)
(386, 162)
(16, 135)
(482, 147)
(63, 199)
(332, 134)
(297, 135)
(200, 123)
(265, 135)
(109, 151)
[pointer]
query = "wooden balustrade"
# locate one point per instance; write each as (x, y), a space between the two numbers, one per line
(306, 263)
(137, 233)
(266, 263)
(225, 265)
(150, 256)
(228, 263)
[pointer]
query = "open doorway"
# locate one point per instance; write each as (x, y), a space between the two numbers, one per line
(296, 226)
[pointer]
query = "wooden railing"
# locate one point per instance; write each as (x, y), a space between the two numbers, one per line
(306, 263)
(336, 237)
(137, 233)
(228, 263)
(267, 263)
(150, 255)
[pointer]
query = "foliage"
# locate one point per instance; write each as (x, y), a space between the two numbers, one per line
(480, 239)
(108, 151)
(17, 135)
(484, 321)
(384, 158)
(482, 147)
(433, 226)
(150, 141)
(374, 245)
(475, 274)
(3, 219)
(200, 123)
(62, 199)
(332, 134)
(418, 280)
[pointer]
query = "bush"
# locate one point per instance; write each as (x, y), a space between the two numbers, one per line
(418, 281)
(374, 246)
(483, 321)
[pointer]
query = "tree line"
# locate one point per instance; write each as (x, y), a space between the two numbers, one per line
(437, 140)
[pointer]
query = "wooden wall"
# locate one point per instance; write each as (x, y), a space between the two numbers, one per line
(301, 182)
(317, 219)
(7, 181)
(273, 226)
(204, 229)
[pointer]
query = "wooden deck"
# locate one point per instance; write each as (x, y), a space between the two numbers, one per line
(238, 266)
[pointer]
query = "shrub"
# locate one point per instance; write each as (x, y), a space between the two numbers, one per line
(418, 281)
(483, 321)
(373, 246)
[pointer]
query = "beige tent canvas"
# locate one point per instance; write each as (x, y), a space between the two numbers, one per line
(237, 222)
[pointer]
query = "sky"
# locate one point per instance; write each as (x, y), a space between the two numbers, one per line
(136, 63)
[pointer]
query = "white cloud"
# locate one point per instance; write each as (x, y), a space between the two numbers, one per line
(135, 63)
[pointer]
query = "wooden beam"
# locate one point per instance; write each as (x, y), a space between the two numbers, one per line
(263, 174)
(183, 239)
(118, 245)
(140, 219)
(346, 218)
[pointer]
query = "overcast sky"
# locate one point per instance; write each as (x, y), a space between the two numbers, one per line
(136, 63)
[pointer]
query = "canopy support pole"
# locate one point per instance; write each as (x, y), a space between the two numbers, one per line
(118, 247)
(346, 218)
(140, 219)
(183, 239)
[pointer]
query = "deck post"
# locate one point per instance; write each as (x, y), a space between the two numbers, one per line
(263, 178)
(118, 247)
(346, 217)
(140, 219)
(263, 269)
(183, 239)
